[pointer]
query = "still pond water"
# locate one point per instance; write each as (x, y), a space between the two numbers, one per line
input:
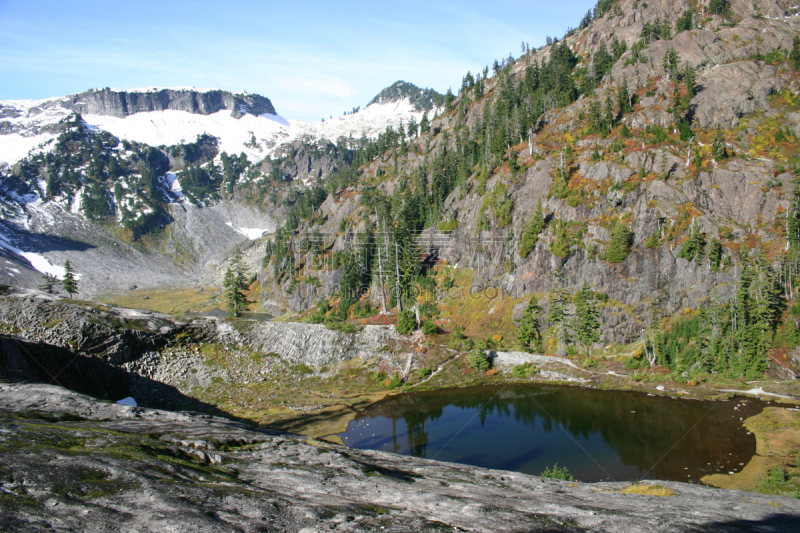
(597, 435)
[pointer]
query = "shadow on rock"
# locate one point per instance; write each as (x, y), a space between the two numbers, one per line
(21, 360)
(39, 243)
(777, 523)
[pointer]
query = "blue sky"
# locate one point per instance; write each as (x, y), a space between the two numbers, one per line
(312, 59)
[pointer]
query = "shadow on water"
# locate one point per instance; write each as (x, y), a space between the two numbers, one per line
(597, 435)
(22, 360)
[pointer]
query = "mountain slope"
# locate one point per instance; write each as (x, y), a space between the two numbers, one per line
(115, 212)
(663, 160)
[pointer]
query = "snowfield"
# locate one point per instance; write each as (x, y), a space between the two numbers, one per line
(250, 233)
(36, 260)
(14, 147)
(256, 136)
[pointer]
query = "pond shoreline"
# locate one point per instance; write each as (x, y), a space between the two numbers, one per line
(777, 432)
(327, 423)
(340, 418)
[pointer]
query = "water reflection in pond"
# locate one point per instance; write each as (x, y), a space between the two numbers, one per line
(597, 435)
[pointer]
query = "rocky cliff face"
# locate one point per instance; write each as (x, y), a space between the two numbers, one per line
(306, 160)
(738, 195)
(124, 103)
(113, 338)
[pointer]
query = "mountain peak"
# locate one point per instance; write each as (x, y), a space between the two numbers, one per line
(421, 99)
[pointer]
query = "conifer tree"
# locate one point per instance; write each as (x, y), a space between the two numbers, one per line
(48, 284)
(561, 245)
(795, 53)
(740, 320)
(610, 115)
(694, 248)
(793, 222)
(532, 230)
(624, 99)
(413, 127)
(68, 282)
(767, 306)
(529, 335)
(718, 149)
(720, 7)
(714, 254)
(234, 283)
(424, 123)
(585, 322)
(595, 116)
(557, 317)
(687, 21)
(449, 97)
(603, 61)
(690, 78)
(670, 62)
(705, 339)
(620, 245)
(513, 164)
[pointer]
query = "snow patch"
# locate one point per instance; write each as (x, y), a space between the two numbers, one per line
(44, 266)
(77, 202)
(15, 146)
(38, 261)
(250, 233)
(23, 199)
(170, 179)
(276, 118)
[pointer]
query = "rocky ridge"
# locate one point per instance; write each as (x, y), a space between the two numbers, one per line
(167, 350)
(421, 99)
(120, 104)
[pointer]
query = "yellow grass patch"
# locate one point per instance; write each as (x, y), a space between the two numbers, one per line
(777, 432)
(648, 490)
(170, 301)
(485, 314)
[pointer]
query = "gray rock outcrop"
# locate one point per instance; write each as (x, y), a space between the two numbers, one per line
(314, 344)
(70, 462)
(123, 103)
(131, 339)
